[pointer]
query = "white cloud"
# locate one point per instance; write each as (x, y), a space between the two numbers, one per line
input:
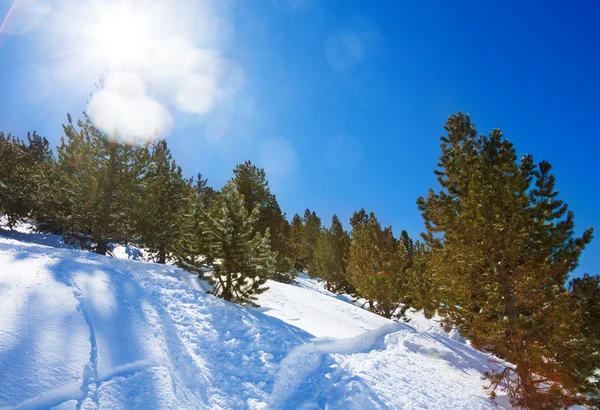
(123, 109)
(188, 77)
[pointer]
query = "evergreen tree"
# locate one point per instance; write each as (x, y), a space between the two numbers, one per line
(331, 257)
(585, 300)
(161, 202)
(296, 243)
(421, 291)
(379, 266)
(311, 231)
(23, 169)
(252, 184)
(191, 247)
(586, 293)
(206, 193)
(408, 243)
(241, 256)
(358, 218)
(501, 251)
(97, 179)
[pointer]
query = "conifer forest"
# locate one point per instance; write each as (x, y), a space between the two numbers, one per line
(493, 261)
(299, 205)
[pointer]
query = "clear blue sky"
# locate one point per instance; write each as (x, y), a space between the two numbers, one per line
(344, 101)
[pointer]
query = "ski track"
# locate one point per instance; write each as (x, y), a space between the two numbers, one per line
(208, 348)
(90, 370)
(91, 332)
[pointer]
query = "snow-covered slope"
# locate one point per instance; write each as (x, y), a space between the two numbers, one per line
(79, 330)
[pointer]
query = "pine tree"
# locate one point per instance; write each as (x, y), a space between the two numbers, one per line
(331, 257)
(161, 202)
(500, 253)
(408, 243)
(96, 181)
(252, 184)
(358, 218)
(585, 356)
(311, 231)
(191, 247)
(206, 193)
(296, 243)
(23, 168)
(378, 266)
(421, 292)
(586, 293)
(241, 256)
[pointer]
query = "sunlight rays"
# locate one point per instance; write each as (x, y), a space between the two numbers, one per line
(121, 35)
(155, 57)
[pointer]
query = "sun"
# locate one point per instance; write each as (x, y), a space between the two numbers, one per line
(120, 36)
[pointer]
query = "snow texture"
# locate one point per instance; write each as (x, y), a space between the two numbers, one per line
(82, 331)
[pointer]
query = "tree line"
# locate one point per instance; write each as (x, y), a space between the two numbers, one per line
(493, 262)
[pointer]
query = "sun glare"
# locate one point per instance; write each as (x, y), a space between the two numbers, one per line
(154, 58)
(121, 37)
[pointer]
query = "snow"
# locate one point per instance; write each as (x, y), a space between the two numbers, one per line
(83, 331)
(308, 306)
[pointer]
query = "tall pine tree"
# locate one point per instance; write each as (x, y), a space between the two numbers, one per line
(251, 181)
(501, 251)
(331, 256)
(311, 230)
(96, 182)
(296, 242)
(161, 202)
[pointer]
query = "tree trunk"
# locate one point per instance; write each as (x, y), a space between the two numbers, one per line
(227, 293)
(515, 342)
(529, 389)
(107, 199)
(101, 247)
(162, 255)
(508, 298)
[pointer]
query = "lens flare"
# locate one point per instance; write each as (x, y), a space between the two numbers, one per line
(121, 36)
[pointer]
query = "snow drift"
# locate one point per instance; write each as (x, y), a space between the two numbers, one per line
(81, 331)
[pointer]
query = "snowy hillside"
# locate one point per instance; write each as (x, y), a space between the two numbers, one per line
(79, 330)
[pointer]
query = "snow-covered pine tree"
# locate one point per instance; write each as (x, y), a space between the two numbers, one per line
(500, 253)
(241, 257)
(378, 266)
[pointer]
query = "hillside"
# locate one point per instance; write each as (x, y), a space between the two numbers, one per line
(81, 331)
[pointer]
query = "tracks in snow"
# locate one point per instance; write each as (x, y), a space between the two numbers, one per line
(91, 378)
(90, 370)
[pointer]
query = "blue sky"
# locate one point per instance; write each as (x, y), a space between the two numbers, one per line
(343, 102)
